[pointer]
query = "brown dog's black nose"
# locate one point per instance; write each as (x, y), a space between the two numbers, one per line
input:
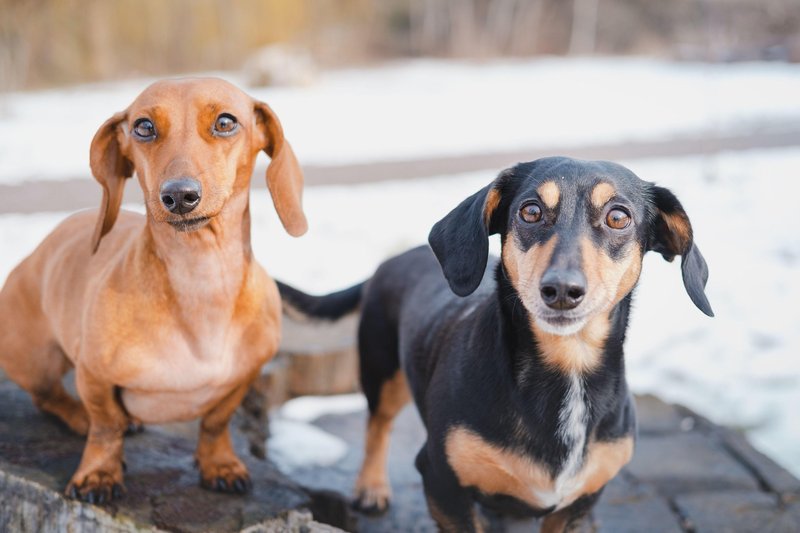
(563, 289)
(181, 196)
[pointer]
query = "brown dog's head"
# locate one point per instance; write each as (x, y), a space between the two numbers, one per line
(574, 234)
(193, 145)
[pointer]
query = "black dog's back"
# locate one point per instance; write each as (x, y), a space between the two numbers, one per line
(408, 309)
(516, 366)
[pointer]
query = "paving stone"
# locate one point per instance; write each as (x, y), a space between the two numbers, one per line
(738, 512)
(700, 469)
(38, 456)
(630, 507)
(656, 416)
(775, 477)
(687, 462)
(408, 511)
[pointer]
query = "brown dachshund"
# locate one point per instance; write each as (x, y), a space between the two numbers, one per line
(165, 317)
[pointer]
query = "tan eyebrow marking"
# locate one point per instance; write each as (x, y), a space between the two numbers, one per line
(549, 193)
(602, 193)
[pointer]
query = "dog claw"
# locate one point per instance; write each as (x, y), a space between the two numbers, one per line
(116, 491)
(370, 502)
(221, 485)
(134, 428)
(371, 509)
(240, 485)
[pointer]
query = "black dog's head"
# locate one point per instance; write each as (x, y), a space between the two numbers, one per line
(574, 234)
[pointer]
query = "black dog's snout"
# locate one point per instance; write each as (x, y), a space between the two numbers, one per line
(563, 289)
(181, 196)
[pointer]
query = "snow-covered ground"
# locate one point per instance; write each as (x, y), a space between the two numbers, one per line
(426, 108)
(740, 368)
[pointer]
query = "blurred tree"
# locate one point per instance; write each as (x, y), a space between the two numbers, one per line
(47, 42)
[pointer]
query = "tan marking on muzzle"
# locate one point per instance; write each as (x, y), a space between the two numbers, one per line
(609, 281)
(525, 269)
(549, 193)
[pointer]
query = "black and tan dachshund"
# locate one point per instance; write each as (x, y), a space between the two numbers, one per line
(516, 365)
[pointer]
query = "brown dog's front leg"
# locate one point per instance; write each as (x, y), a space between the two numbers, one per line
(220, 468)
(99, 476)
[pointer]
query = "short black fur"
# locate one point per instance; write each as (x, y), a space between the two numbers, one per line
(471, 358)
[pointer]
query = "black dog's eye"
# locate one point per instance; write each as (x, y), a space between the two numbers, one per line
(618, 219)
(144, 130)
(225, 125)
(531, 213)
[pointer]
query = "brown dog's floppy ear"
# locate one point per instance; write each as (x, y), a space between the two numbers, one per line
(284, 176)
(110, 168)
(460, 240)
(671, 235)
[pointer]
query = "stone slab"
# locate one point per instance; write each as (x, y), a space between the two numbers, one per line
(627, 506)
(38, 456)
(687, 462)
(738, 512)
(656, 417)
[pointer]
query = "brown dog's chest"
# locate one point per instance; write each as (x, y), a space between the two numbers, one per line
(497, 471)
(185, 378)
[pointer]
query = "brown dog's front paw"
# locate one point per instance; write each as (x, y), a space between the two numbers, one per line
(231, 477)
(372, 500)
(134, 426)
(96, 488)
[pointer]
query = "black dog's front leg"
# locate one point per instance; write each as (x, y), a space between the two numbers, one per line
(449, 504)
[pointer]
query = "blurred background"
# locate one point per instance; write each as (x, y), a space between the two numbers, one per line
(398, 109)
(54, 42)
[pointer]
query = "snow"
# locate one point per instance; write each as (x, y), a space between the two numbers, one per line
(294, 442)
(429, 108)
(293, 445)
(309, 408)
(739, 368)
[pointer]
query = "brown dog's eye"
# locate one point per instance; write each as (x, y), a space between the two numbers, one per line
(225, 125)
(618, 219)
(531, 213)
(144, 130)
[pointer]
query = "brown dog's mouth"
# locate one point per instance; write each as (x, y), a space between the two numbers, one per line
(189, 224)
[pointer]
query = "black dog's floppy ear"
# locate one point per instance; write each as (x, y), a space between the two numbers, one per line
(671, 235)
(460, 240)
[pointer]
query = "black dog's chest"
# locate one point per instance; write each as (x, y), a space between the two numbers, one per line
(509, 506)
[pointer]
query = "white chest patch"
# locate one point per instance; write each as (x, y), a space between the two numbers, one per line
(572, 418)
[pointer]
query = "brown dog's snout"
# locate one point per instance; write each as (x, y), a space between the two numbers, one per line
(563, 288)
(181, 196)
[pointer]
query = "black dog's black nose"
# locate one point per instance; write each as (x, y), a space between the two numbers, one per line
(563, 289)
(181, 196)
